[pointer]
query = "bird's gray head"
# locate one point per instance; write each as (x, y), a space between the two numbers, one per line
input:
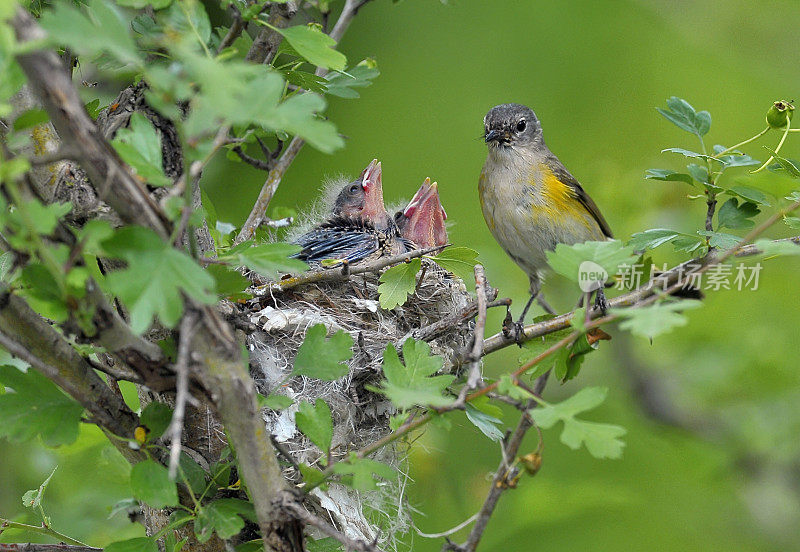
(509, 125)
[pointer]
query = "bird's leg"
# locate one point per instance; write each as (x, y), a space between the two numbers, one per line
(545, 305)
(518, 325)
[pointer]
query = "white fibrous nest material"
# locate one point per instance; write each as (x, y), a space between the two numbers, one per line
(360, 416)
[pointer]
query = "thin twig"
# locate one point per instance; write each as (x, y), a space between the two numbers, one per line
(474, 377)
(291, 506)
(181, 391)
(257, 163)
(711, 204)
(449, 532)
(235, 31)
(446, 323)
(322, 274)
(500, 482)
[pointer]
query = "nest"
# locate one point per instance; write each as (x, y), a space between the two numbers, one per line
(360, 416)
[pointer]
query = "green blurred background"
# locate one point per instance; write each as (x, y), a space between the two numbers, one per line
(728, 478)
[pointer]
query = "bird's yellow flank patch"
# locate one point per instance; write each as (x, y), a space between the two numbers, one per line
(560, 202)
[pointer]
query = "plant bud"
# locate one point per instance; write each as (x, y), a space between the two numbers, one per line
(779, 114)
(531, 462)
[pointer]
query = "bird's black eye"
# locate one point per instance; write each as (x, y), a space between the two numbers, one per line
(354, 188)
(521, 125)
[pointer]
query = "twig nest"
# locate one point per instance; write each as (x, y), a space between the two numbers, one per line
(360, 416)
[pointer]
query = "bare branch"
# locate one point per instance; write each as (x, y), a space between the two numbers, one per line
(750, 250)
(265, 45)
(291, 505)
(349, 11)
(474, 377)
(39, 547)
(257, 163)
(259, 210)
(501, 481)
(235, 31)
(182, 391)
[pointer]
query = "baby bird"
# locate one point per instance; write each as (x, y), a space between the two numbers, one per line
(359, 227)
(422, 221)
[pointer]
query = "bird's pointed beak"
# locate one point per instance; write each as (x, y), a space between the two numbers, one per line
(425, 217)
(492, 136)
(371, 181)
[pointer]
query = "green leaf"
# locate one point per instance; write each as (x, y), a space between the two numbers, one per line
(568, 360)
(192, 472)
(140, 4)
(536, 346)
(151, 484)
(343, 84)
(657, 319)
(397, 283)
(792, 222)
(96, 29)
(140, 147)
(683, 115)
(787, 165)
(312, 476)
(156, 416)
(315, 422)
(314, 45)
(361, 470)
(484, 422)
(693, 154)
(327, 544)
(323, 358)
(601, 440)
(749, 193)
(720, 239)
(650, 239)
(734, 158)
(223, 517)
(269, 259)
(699, 173)
(668, 175)
(460, 261)
(229, 283)
(31, 118)
(139, 544)
(414, 384)
(568, 260)
(274, 401)
(33, 498)
(735, 216)
(36, 407)
(189, 18)
(156, 276)
(770, 248)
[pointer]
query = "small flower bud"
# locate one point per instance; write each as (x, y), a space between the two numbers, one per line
(779, 114)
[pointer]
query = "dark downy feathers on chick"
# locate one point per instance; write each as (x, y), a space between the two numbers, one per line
(359, 227)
